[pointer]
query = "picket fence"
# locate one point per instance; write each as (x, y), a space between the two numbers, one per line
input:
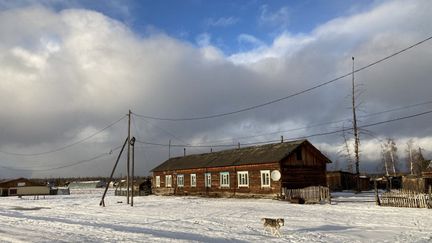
(312, 194)
(407, 199)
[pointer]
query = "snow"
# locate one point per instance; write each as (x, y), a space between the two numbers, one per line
(79, 218)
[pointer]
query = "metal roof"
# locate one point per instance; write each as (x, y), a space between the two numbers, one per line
(244, 156)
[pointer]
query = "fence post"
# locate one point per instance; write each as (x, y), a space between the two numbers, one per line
(377, 200)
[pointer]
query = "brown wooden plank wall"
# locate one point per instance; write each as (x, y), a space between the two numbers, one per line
(254, 189)
(310, 170)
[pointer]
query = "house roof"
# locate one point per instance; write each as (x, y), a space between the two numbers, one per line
(244, 156)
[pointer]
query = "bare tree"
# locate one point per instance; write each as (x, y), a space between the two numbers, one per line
(346, 152)
(419, 162)
(390, 154)
(409, 151)
(384, 159)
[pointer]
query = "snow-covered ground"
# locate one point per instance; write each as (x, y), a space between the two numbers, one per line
(79, 218)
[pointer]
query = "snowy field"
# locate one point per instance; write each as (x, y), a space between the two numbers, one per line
(79, 218)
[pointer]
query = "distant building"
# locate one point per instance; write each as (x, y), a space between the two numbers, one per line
(251, 171)
(422, 183)
(86, 184)
(22, 187)
(343, 180)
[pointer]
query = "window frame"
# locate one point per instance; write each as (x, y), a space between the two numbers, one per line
(168, 178)
(193, 180)
(222, 177)
(180, 178)
(266, 174)
(207, 180)
(157, 182)
(242, 176)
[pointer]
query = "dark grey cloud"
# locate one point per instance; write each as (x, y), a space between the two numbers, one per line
(71, 73)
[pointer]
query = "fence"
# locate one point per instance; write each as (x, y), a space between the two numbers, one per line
(408, 199)
(136, 193)
(312, 194)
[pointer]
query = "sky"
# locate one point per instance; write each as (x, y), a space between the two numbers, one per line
(70, 72)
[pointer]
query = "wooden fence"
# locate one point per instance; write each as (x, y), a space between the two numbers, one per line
(408, 199)
(312, 194)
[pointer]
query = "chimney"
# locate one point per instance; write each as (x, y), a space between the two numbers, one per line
(184, 151)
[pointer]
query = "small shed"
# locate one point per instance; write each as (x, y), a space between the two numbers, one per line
(343, 180)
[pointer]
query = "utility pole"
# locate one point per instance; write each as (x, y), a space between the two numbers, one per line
(128, 158)
(133, 168)
(356, 134)
(169, 149)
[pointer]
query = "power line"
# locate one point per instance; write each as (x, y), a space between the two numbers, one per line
(286, 97)
(66, 165)
(318, 124)
(65, 146)
(297, 138)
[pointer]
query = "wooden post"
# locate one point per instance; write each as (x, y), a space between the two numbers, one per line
(102, 202)
(356, 134)
(377, 201)
(128, 159)
(169, 149)
(133, 168)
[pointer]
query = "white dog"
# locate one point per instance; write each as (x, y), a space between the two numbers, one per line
(273, 224)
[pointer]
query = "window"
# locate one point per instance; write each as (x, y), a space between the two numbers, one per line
(298, 154)
(193, 180)
(13, 191)
(224, 179)
(168, 180)
(180, 180)
(207, 179)
(243, 179)
(157, 181)
(265, 178)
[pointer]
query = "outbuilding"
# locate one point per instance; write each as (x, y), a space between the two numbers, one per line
(263, 170)
(22, 187)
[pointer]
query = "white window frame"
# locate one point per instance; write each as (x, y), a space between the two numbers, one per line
(265, 177)
(207, 180)
(180, 180)
(168, 180)
(193, 180)
(243, 179)
(157, 181)
(224, 179)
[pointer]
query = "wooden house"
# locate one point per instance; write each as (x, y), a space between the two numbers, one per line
(22, 187)
(251, 171)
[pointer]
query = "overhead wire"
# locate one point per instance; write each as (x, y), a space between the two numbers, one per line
(296, 138)
(288, 96)
(313, 125)
(66, 165)
(65, 146)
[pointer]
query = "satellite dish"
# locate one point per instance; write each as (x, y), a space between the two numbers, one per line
(275, 175)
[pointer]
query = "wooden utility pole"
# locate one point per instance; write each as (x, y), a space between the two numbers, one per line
(133, 168)
(128, 158)
(102, 202)
(169, 149)
(356, 134)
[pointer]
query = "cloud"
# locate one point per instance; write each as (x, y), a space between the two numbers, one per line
(66, 74)
(280, 18)
(222, 21)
